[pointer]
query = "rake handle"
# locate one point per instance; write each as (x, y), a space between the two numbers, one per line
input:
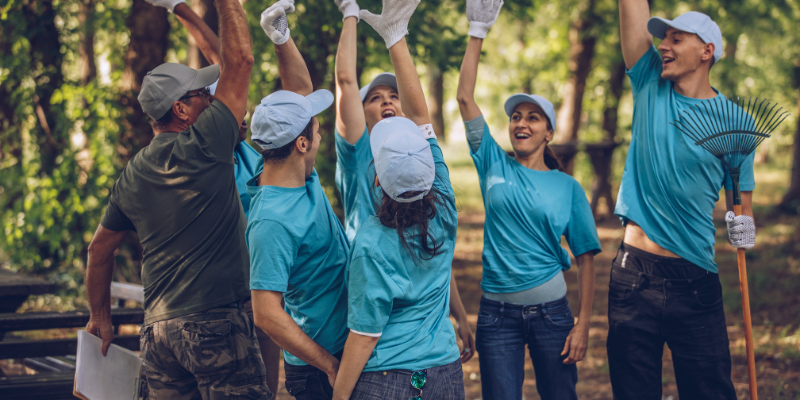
(748, 324)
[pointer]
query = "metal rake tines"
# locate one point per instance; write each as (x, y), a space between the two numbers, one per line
(730, 129)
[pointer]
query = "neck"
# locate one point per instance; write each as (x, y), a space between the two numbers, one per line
(288, 174)
(695, 85)
(175, 126)
(534, 160)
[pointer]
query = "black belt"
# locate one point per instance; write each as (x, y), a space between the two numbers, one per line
(235, 304)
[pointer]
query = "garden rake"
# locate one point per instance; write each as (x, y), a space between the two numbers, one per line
(731, 129)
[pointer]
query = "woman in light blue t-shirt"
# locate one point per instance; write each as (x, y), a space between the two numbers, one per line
(530, 204)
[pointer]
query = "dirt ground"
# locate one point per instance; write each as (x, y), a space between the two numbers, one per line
(777, 358)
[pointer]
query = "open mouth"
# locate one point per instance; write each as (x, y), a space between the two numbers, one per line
(388, 113)
(521, 136)
(667, 60)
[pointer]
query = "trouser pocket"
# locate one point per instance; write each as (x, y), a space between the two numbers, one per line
(208, 347)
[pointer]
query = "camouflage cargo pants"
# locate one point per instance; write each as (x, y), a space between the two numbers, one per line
(212, 354)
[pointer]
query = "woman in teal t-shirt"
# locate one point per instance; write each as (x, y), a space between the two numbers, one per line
(530, 204)
(401, 342)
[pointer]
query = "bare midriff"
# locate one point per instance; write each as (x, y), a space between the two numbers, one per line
(635, 236)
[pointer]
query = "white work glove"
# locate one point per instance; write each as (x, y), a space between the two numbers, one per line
(168, 4)
(274, 23)
(349, 8)
(481, 15)
(741, 230)
(392, 24)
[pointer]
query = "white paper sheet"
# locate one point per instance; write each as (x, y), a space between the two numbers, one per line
(114, 377)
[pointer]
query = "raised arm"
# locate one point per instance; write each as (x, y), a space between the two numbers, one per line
(467, 79)
(635, 39)
(236, 57)
(207, 40)
(392, 25)
(350, 122)
(291, 66)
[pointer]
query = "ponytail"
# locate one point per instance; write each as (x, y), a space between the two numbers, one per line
(551, 160)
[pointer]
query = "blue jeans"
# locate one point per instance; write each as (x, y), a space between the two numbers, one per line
(444, 383)
(503, 331)
(307, 382)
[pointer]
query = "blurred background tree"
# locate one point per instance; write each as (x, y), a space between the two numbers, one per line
(70, 71)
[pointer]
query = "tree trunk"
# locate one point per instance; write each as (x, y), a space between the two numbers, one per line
(791, 200)
(208, 12)
(601, 154)
(436, 103)
(149, 29)
(86, 52)
(46, 59)
(582, 40)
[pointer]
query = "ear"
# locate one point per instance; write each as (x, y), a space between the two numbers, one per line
(708, 52)
(302, 145)
(180, 110)
(550, 135)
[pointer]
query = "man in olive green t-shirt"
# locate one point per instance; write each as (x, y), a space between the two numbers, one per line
(179, 193)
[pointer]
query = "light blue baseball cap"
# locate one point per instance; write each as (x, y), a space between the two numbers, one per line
(693, 22)
(282, 116)
(403, 158)
(540, 101)
(383, 79)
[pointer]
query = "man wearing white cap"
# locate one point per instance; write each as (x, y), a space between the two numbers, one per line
(298, 248)
(664, 284)
(179, 194)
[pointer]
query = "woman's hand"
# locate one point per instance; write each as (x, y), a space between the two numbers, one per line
(577, 342)
(467, 338)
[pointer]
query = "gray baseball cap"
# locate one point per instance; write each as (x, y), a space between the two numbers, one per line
(384, 79)
(540, 101)
(693, 22)
(403, 158)
(282, 116)
(168, 82)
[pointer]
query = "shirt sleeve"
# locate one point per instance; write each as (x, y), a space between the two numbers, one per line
(217, 132)
(371, 293)
(114, 218)
(353, 156)
(488, 151)
(475, 130)
(581, 230)
(645, 70)
(273, 250)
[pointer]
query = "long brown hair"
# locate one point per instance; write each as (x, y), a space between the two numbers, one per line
(411, 220)
(551, 160)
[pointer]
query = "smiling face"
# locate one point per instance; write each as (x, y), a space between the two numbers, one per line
(528, 129)
(683, 53)
(381, 102)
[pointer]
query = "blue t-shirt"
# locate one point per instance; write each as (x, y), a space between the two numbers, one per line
(527, 212)
(669, 185)
(297, 246)
(247, 163)
(407, 303)
(355, 178)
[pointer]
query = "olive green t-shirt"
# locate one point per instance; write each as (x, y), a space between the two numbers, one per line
(179, 193)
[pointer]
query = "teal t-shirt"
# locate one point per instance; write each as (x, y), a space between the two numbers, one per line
(355, 178)
(297, 246)
(669, 185)
(247, 163)
(407, 303)
(527, 213)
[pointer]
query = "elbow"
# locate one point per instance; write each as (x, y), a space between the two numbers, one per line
(464, 99)
(345, 79)
(241, 61)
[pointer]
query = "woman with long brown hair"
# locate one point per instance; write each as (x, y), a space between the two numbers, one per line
(530, 204)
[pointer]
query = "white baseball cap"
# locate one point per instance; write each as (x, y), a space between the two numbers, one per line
(282, 116)
(384, 79)
(403, 158)
(693, 22)
(540, 101)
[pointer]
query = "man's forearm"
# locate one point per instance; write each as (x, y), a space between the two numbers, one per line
(282, 329)
(292, 69)
(207, 40)
(234, 34)
(99, 270)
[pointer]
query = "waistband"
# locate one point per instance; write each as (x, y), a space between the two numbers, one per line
(512, 309)
(235, 304)
(635, 278)
(655, 258)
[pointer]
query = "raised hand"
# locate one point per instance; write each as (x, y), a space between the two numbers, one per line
(741, 230)
(274, 23)
(392, 24)
(349, 8)
(168, 4)
(481, 15)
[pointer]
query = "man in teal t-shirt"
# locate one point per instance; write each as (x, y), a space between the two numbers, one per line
(664, 285)
(298, 248)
